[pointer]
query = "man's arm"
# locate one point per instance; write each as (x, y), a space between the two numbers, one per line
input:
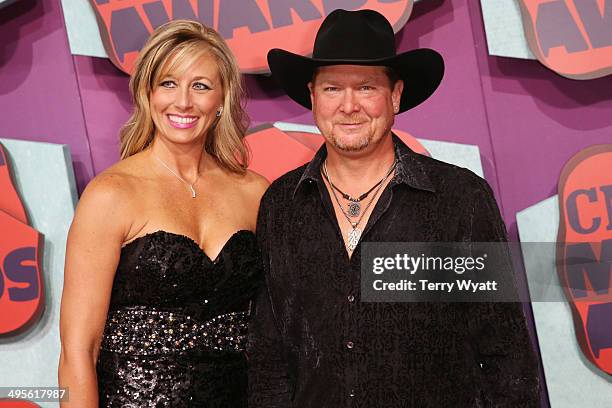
(501, 342)
(268, 372)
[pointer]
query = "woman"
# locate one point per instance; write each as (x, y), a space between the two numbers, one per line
(161, 261)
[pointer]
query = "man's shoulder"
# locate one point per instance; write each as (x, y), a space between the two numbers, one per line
(450, 178)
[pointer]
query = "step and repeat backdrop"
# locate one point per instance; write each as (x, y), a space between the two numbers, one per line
(526, 103)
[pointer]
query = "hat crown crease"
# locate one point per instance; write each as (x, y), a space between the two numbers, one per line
(354, 36)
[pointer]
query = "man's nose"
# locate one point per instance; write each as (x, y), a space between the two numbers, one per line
(350, 102)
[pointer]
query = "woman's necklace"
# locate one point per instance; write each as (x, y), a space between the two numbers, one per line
(355, 233)
(193, 192)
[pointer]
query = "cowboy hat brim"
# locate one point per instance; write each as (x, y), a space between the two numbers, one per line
(421, 70)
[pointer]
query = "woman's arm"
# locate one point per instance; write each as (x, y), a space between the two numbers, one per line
(94, 244)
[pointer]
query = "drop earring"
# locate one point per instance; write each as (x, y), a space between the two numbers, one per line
(219, 111)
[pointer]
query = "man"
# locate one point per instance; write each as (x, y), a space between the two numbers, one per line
(312, 342)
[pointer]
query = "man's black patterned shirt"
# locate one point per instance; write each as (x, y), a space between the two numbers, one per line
(312, 343)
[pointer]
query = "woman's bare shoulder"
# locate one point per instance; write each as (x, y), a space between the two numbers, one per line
(249, 182)
(114, 191)
(113, 182)
(250, 185)
(122, 178)
(255, 182)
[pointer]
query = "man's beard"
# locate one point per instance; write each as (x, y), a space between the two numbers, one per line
(354, 146)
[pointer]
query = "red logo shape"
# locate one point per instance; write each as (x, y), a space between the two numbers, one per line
(275, 152)
(17, 404)
(571, 37)
(292, 25)
(21, 284)
(584, 255)
(9, 199)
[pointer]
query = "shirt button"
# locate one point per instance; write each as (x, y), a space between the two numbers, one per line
(351, 298)
(352, 394)
(350, 344)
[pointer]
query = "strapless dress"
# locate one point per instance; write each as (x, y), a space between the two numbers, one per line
(176, 327)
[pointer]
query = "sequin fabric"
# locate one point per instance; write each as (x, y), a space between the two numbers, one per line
(149, 332)
(176, 327)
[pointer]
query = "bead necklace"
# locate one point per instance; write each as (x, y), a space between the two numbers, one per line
(355, 233)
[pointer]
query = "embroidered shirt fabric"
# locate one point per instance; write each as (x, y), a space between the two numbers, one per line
(312, 343)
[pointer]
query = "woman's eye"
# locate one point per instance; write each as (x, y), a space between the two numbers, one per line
(199, 86)
(168, 84)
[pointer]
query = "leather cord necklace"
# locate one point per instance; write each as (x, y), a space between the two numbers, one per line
(355, 233)
(354, 205)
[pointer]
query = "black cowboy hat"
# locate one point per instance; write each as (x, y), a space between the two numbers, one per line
(362, 37)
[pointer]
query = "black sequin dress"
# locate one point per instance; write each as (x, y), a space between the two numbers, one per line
(176, 327)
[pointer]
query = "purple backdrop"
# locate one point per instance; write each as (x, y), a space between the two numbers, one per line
(526, 120)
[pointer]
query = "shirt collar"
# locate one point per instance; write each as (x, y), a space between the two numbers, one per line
(410, 169)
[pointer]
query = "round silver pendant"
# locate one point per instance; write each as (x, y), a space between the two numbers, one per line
(354, 209)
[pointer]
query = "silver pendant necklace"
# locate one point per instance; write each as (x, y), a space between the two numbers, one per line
(354, 203)
(193, 192)
(354, 235)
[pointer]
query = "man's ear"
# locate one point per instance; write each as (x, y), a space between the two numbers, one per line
(396, 92)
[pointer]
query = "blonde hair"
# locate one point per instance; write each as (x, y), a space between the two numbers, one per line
(171, 45)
